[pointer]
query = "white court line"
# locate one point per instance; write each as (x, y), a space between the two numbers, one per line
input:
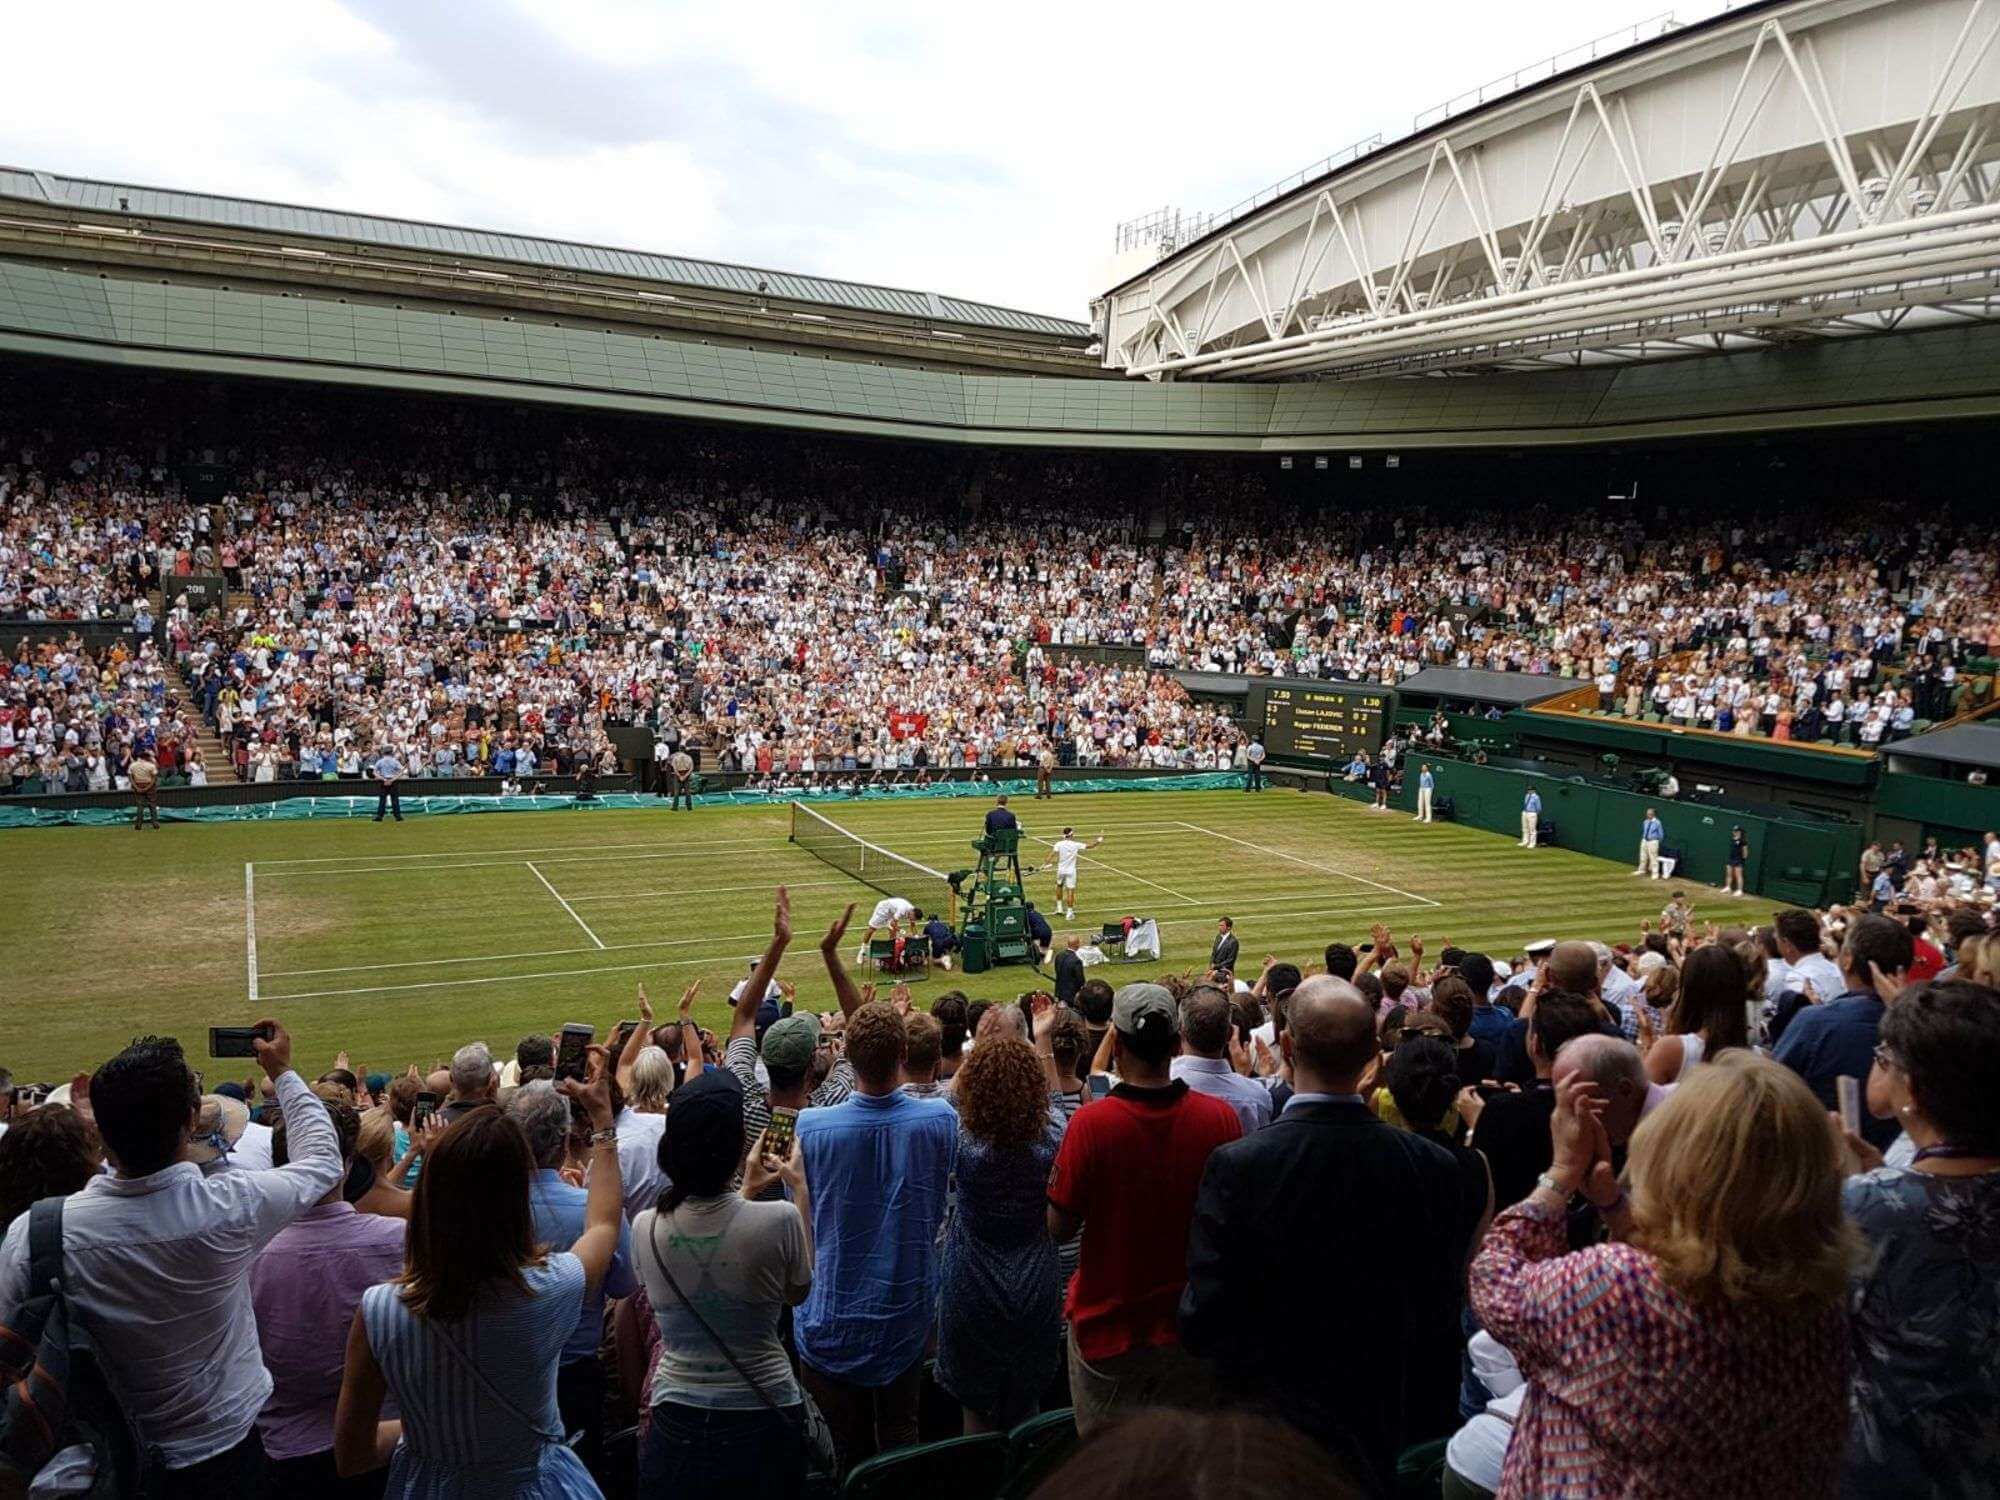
(250, 926)
(565, 905)
(1314, 864)
(445, 984)
(434, 963)
(717, 890)
(612, 853)
(1086, 859)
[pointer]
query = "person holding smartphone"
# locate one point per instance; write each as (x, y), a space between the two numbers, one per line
(192, 1384)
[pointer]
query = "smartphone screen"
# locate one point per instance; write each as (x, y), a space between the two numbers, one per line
(1848, 1092)
(232, 1041)
(427, 1103)
(784, 1126)
(570, 1050)
(1100, 1085)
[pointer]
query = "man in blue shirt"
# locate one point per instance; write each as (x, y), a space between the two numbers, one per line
(543, 1116)
(388, 785)
(1651, 831)
(1883, 890)
(1837, 1039)
(1531, 817)
(879, 1165)
(1426, 784)
(1253, 761)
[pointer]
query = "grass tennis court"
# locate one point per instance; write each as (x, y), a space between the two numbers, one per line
(402, 941)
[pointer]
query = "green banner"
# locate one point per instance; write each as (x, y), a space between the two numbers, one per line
(293, 809)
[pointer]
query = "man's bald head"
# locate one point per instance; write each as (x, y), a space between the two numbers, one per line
(1615, 1067)
(1573, 967)
(1330, 1031)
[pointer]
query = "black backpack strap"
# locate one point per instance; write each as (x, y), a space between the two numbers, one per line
(45, 1246)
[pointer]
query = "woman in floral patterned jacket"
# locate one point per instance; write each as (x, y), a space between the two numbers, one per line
(1703, 1351)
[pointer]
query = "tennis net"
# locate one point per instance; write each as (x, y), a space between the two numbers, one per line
(871, 864)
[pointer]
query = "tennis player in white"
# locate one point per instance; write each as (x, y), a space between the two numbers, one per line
(890, 913)
(1064, 853)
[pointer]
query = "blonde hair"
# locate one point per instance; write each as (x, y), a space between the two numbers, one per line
(652, 1081)
(1979, 960)
(1735, 1188)
(377, 1141)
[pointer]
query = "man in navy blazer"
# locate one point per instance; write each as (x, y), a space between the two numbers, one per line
(1324, 1271)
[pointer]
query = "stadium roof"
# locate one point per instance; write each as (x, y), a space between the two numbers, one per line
(89, 195)
(1515, 688)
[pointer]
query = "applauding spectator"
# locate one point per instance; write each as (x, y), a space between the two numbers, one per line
(195, 1381)
(469, 1339)
(561, 1213)
(1728, 1262)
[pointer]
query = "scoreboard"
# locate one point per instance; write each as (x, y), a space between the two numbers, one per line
(1324, 722)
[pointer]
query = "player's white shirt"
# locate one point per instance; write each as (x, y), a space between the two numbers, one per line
(1066, 852)
(890, 909)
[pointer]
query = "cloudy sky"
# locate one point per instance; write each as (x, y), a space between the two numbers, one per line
(982, 150)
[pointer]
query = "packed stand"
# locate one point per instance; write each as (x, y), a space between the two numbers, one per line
(479, 599)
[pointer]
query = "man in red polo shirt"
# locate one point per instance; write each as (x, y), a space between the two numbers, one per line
(1127, 1175)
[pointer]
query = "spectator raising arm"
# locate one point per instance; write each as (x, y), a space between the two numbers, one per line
(636, 1043)
(603, 1211)
(281, 1194)
(829, 948)
(744, 1021)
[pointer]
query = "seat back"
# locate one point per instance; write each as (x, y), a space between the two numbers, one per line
(970, 1467)
(1036, 1449)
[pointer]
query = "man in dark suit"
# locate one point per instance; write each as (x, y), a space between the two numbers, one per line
(1375, 1208)
(1001, 816)
(1223, 954)
(1069, 972)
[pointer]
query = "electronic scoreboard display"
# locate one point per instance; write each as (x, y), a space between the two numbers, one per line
(1328, 722)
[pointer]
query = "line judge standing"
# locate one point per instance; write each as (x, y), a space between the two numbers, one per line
(1253, 761)
(389, 774)
(1426, 784)
(1651, 831)
(1531, 818)
(681, 766)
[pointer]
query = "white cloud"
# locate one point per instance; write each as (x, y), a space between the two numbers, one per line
(977, 150)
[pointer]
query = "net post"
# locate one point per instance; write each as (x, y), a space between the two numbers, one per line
(792, 823)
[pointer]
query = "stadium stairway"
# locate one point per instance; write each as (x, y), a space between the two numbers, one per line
(205, 736)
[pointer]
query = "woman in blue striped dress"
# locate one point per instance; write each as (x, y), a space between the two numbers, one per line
(469, 1336)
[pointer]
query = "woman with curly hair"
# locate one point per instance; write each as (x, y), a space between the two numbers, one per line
(1000, 1302)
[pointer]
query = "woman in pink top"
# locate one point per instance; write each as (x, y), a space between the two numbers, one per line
(1703, 1351)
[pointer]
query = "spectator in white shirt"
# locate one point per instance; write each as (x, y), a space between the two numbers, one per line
(157, 1259)
(1204, 1061)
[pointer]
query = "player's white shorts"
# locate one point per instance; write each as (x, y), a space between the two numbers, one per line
(887, 910)
(1066, 880)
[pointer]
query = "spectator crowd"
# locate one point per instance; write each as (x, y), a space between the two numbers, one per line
(1712, 1211)
(486, 600)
